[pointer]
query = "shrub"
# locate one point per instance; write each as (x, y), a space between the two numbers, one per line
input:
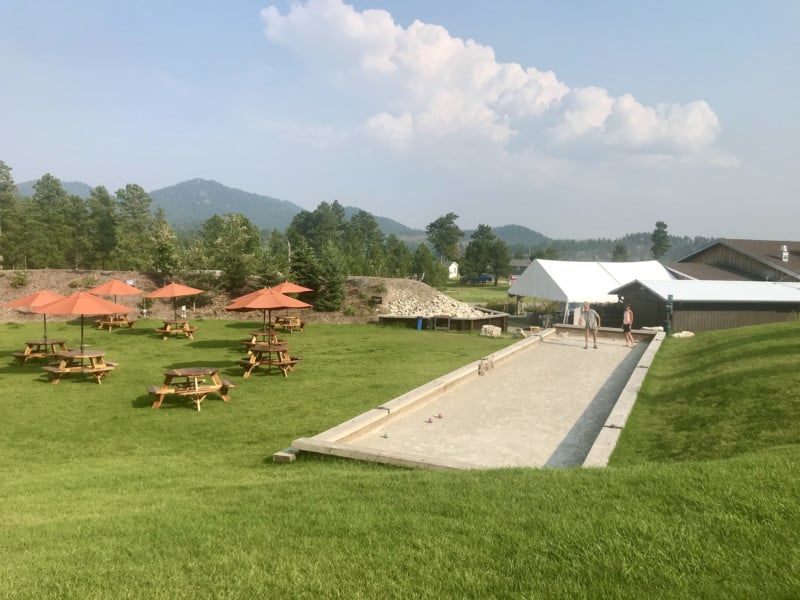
(84, 283)
(19, 279)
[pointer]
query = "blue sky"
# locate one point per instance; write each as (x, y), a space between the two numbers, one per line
(579, 120)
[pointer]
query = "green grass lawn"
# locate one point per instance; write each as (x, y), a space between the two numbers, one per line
(484, 293)
(103, 497)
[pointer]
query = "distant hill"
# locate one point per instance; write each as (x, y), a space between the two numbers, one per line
(188, 204)
(519, 235)
(74, 188)
(191, 203)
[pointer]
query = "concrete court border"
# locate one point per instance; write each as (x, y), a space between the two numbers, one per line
(607, 438)
(335, 441)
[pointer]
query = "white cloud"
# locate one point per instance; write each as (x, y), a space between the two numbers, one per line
(397, 131)
(425, 86)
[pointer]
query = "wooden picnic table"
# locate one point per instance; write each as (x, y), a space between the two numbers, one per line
(290, 323)
(39, 349)
(111, 321)
(262, 337)
(192, 382)
(269, 355)
(90, 362)
(175, 327)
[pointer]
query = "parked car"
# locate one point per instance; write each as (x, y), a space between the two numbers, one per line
(482, 278)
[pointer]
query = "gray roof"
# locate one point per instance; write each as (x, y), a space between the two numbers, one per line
(691, 270)
(695, 290)
(764, 251)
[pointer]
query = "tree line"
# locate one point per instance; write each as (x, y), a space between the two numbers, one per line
(320, 248)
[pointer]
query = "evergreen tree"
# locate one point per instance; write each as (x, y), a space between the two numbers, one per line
(325, 224)
(427, 268)
(499, 259)
(12, 231)
(545, 253)
(444, 235)
(101, 224)
(165, 251)
(330, 289)
(135, 225)
(362, 246)
(476, 257)
(279, 252)
(398, 257)
(305, 267)
(234, 244)
(268, 271)
(660, 239)
(78, 246)
(620, 253)
(51, 221)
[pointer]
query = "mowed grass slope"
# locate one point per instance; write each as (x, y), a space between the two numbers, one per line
(103, 497)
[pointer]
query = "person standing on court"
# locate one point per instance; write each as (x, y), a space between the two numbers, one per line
(591, 320)
(627, 324)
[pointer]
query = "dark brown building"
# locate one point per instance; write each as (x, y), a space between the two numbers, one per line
(707, 305)
(741, 260)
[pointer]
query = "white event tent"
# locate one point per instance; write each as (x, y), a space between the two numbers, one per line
(575, 282)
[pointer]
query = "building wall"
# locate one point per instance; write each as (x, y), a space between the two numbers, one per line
(724, 256)
(651, 311)
(709, 317)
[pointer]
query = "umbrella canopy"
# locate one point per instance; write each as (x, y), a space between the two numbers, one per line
(287, 287)
(247, 297)
(267, 300)
(35, 300)
(174, 290)
(82, 303)
(115, 288)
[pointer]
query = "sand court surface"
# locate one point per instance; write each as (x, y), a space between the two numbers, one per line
(541, 402)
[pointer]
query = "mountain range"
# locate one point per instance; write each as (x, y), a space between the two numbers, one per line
(187, 205)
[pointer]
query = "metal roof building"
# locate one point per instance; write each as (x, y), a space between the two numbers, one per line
(582, 281)
(699, 305)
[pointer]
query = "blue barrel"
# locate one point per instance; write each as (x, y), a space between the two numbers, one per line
(419, 323)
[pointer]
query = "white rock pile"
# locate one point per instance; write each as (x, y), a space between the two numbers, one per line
(407, 304)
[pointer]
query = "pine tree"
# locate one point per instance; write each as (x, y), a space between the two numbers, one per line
(660, 239)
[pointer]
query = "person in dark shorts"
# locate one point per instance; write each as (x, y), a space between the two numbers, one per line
(627, 324)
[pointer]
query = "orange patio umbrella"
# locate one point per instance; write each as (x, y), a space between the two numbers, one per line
(174, 290)
(82, 303)
(287, 287)
(115, 288)
(266, 300)
(35, 300)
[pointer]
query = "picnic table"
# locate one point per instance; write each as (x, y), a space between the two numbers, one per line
(290, 323)
(269, 355)
(39, 349)
(111, 321)
(89, 362)
(175, 327)
(192, 382)
(262, 337)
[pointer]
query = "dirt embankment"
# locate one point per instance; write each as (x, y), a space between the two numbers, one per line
(366, 298)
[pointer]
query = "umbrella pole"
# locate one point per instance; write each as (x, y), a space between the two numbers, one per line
(45, 328)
